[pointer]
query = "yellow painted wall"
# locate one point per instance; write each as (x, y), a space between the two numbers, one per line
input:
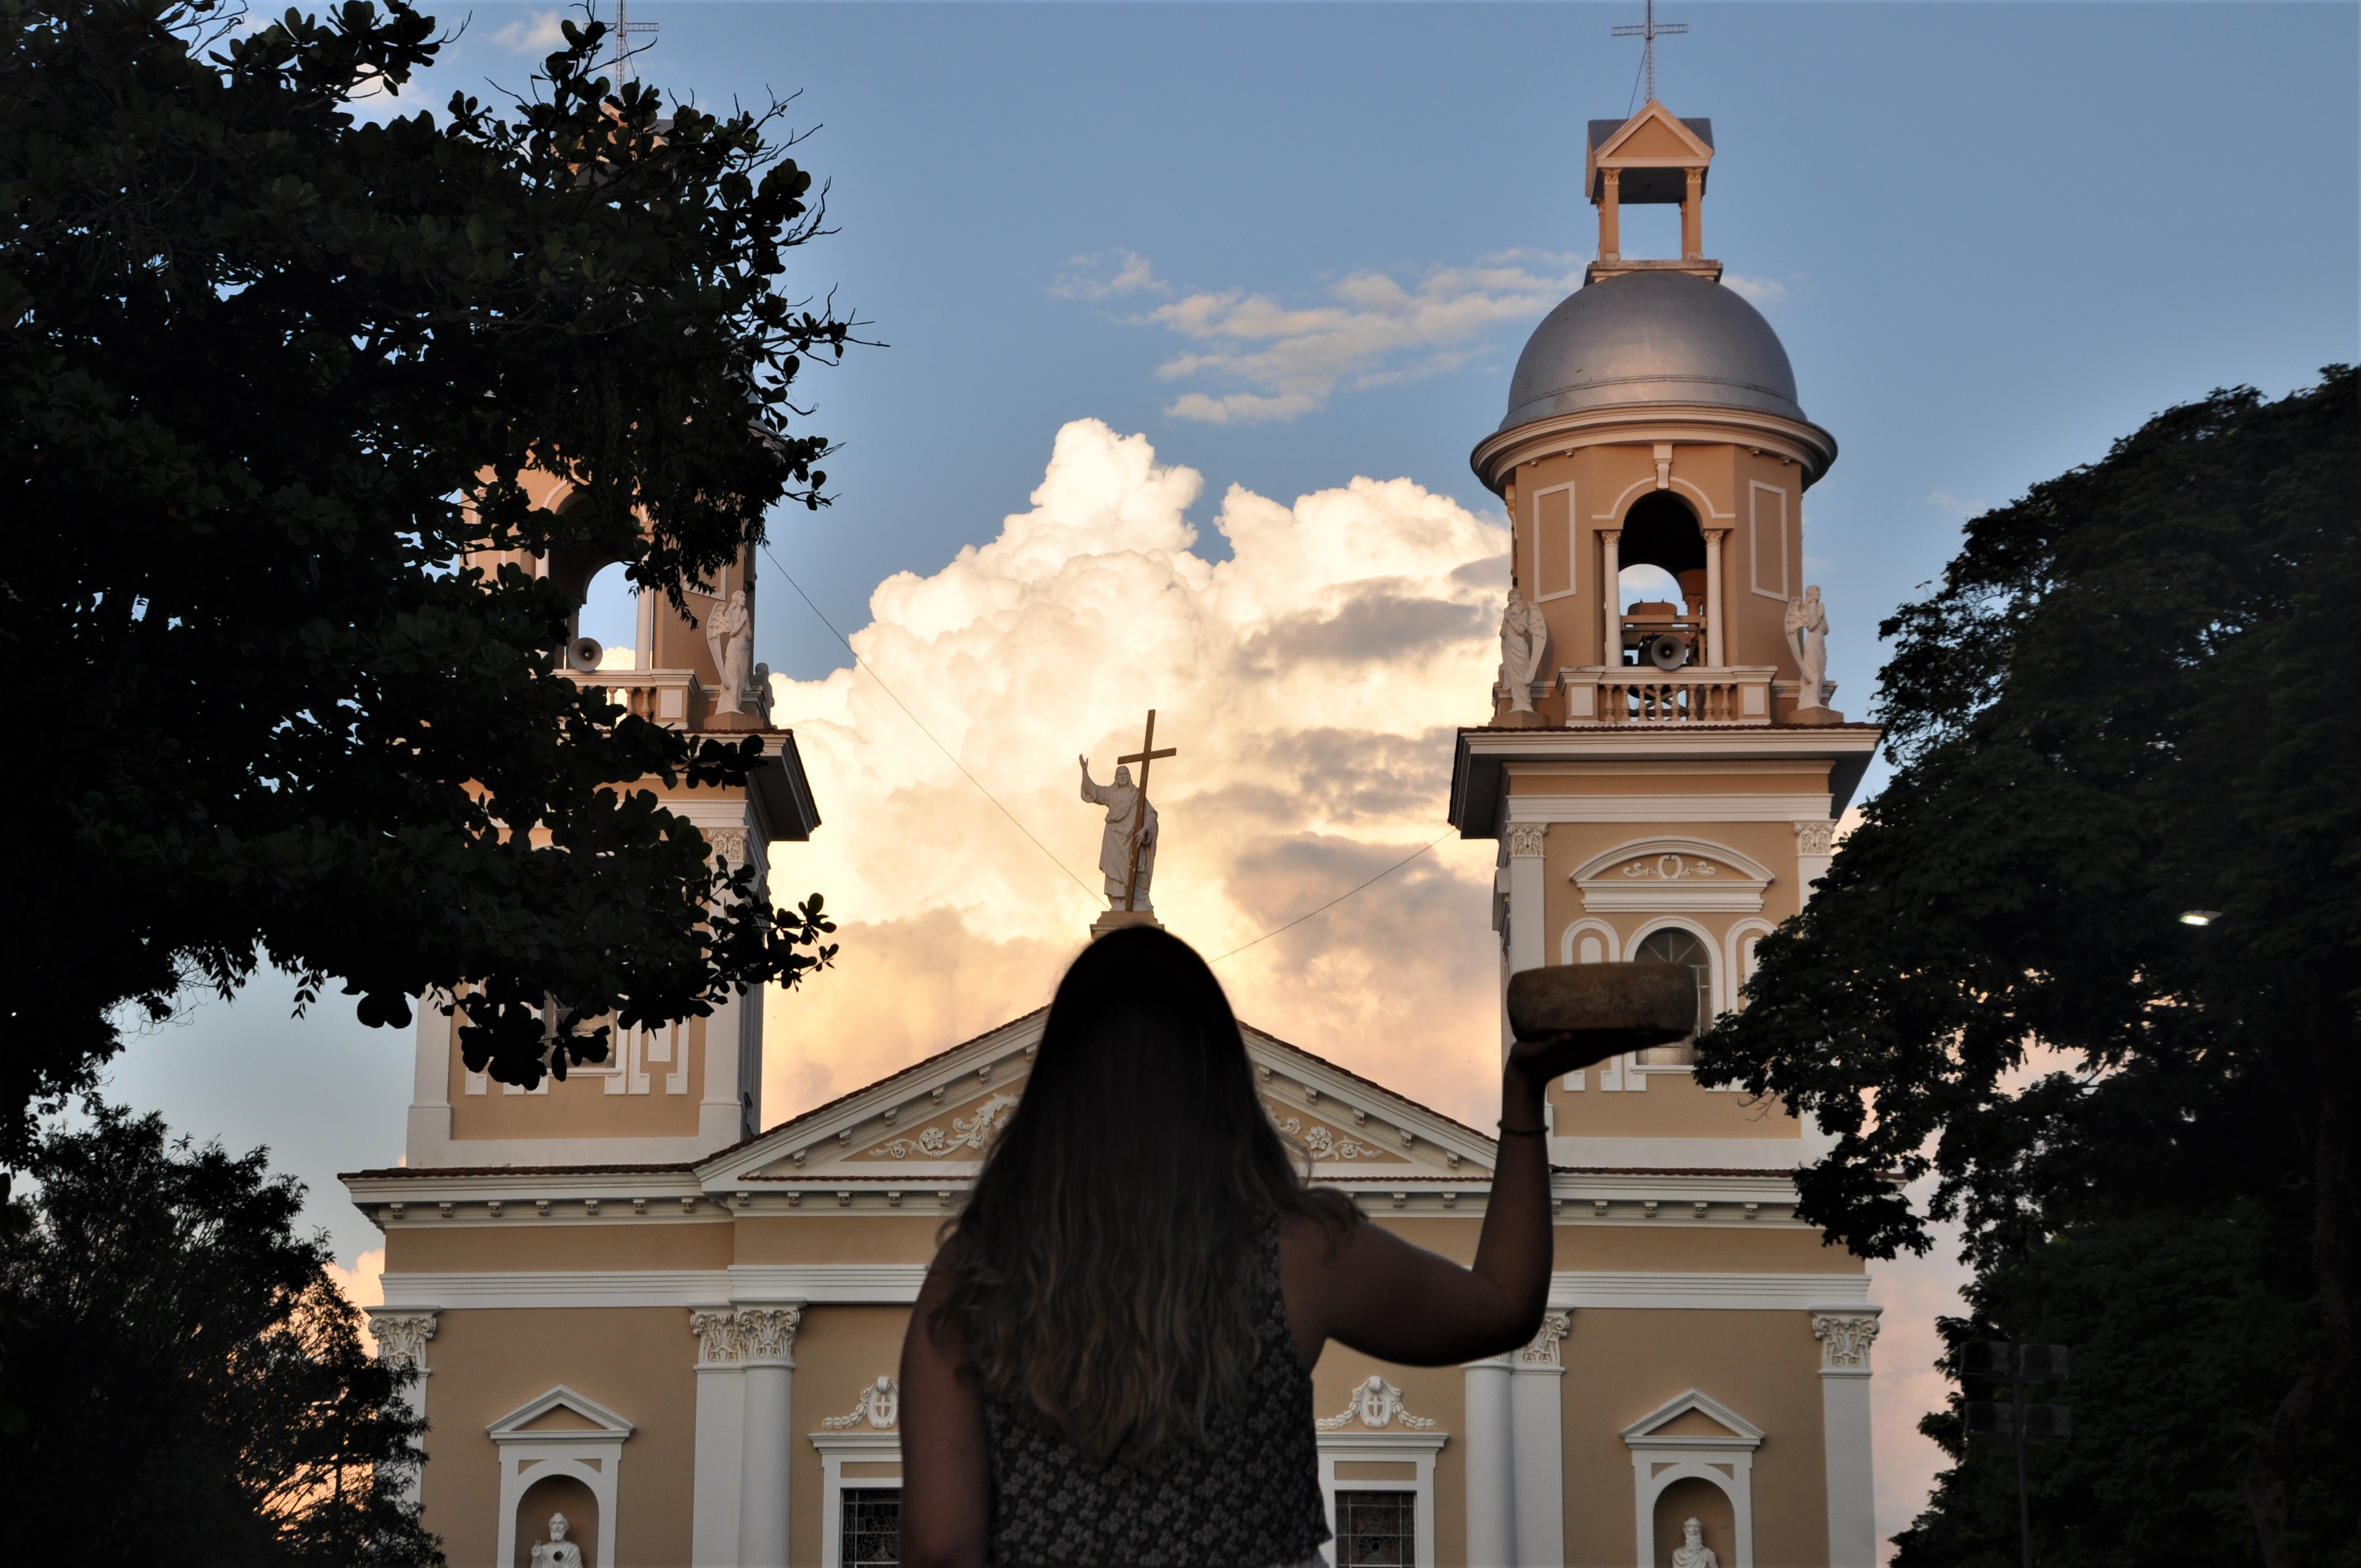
(636, 1361)
(839, 1352)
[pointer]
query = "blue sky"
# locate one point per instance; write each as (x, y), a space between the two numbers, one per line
(1992, 237)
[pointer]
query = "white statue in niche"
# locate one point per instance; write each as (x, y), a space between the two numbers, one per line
(556, 1552)
(1808, 639)
(1123, 805)
(730, 636)
(1693, 1552)
(1524, 640)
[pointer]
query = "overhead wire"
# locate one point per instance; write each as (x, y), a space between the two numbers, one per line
(946, 750)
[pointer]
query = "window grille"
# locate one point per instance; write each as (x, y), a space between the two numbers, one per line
(1377, 1530)
(871, 1534)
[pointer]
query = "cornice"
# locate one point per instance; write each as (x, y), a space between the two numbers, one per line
(1636, 424)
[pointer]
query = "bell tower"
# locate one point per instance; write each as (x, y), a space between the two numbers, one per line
(1661, 768)
(680, 1092)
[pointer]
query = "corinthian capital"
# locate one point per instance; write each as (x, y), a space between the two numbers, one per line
(1844, 1339)
(1526, 838)
(1542, 1353)
(401, 1333)
(770, 1334)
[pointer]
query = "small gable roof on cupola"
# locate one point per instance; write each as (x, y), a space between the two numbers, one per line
(1653, 150)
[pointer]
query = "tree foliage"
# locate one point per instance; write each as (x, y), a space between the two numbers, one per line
(185, 1381)
(2130, 699)
(270, 371)
(2181, 1326)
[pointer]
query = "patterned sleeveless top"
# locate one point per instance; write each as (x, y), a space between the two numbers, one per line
(1250, 1498)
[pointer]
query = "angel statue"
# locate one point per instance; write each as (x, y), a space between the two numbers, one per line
(1524, 641)
(730, 636)
(1808, 639)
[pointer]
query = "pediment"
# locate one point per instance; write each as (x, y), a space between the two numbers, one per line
(1694, 1420)
(934, 1122)
(1672, 873)
(1654, 135)
(560, 1414)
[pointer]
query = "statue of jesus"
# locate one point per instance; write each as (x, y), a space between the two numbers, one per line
(1124, 803)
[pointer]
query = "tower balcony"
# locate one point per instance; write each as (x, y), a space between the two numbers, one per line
(1642, 695)
(675, 700)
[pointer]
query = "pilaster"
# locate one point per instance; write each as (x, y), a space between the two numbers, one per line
(401, 1333)
(1537, 1431)
(1491, 1465)
(1845, 1334)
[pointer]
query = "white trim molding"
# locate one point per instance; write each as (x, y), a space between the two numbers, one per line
(1716, 1292)
(1417, 1449)
(1672, 873)
(591, 1454)
(1726, 1463)
(868, 1435)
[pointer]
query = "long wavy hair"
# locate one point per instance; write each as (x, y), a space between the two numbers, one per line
(1102, 1272)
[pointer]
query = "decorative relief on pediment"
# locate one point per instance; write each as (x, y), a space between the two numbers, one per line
(879, 1407)
(1672, 873)
(1376, 1403)
(1328, 1143)
(937, 1140)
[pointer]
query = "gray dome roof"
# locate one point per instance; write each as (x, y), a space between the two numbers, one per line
(1651, 337)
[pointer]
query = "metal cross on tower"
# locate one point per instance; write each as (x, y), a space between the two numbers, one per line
(1648, 32)
(625, 27)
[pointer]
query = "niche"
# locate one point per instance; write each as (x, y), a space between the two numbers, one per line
(1694, 1498)
(559, 1495)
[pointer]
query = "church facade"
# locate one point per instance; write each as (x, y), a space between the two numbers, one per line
(635, 1309)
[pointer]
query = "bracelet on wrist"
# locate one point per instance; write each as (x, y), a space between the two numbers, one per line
(1507, 1130)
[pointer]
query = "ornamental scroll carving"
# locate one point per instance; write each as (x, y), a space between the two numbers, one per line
(1844, 1340)
(1325, 1143)
(1543, 1353)
(880, 1406)
(727, 844)
(1526, 839)
(401, 1337)
(1376, 1403)
(975, 1132)
(1670, 868)
(1816, 837)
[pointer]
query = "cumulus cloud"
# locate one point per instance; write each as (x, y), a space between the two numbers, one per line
(363, 1285)
(1260, 359)
(1312, 683)
(538, 33)
(1103, 277)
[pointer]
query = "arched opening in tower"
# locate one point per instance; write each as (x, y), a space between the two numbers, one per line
(1661, 556)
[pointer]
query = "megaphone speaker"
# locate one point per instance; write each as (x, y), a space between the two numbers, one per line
(584, 653)
(1667, 652)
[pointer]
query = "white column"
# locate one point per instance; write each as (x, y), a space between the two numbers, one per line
(1491, 1458)
(769, 1349)
(1610, 598)
(401, 1333)
(1845, 1333)
(429, 1135)
(1537, 1430)
(720, 1438)
(1714, 656)
(721, 1116)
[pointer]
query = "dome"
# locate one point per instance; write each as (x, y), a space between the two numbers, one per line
(1651, 337)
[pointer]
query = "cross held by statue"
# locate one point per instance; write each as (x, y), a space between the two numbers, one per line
(1146, 757)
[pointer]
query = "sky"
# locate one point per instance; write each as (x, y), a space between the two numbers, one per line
(1191, 315)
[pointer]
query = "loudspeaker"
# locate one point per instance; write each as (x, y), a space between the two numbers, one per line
(1666, 651)
(584, 653)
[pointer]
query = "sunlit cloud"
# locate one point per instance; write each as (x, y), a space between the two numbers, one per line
(1312, 683)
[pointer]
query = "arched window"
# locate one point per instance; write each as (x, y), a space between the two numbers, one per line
(1674, 945)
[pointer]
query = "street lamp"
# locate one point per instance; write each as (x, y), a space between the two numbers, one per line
(2016, 1422)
